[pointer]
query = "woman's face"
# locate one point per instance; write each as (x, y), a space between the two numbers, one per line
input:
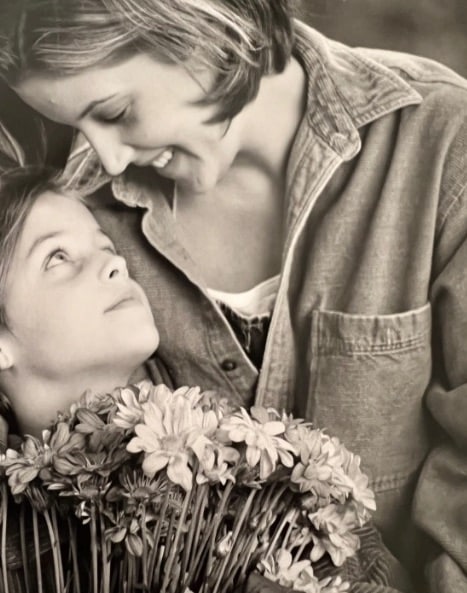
(73, 313)
(144, 112)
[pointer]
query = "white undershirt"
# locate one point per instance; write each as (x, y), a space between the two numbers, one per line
(254, 302)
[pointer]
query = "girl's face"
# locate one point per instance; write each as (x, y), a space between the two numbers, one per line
(73, 313)
(144, 112)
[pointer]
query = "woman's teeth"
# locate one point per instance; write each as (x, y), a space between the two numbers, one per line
(164, 159)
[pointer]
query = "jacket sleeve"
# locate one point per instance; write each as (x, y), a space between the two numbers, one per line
(440, 508)
(372, 569)
(440, 502)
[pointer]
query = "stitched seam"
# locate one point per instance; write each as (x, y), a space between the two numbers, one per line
(457, 198)
(391, 482)
(336, 346)
(416, 75)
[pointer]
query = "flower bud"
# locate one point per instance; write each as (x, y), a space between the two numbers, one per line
(224, 546)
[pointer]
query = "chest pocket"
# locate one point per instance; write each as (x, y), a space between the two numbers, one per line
(368, 375)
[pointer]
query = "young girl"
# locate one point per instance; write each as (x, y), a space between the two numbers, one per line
(71, 318)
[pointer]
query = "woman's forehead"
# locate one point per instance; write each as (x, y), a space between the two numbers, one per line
(67, 98)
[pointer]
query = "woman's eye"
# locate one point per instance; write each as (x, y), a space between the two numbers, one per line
(56, 258)
(114, 118)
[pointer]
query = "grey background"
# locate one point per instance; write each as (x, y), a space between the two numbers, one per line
(432, 28)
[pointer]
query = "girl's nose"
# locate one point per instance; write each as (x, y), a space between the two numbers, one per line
(115, 268)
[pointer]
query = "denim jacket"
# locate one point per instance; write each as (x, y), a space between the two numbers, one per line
(371, 313)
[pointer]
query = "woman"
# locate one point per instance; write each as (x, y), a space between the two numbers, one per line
(293, 206)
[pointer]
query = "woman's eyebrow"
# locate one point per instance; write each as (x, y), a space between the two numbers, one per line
(93, 104)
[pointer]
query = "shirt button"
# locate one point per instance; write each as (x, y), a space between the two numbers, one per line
(228, 365)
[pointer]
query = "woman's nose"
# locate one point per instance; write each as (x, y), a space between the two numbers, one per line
(115, 268)
(114, 156)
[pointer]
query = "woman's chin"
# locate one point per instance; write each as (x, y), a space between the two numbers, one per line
(200, 182)
(190, 173)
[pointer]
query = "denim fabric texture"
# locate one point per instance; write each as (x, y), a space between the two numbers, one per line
(440, 507)
(371, 313)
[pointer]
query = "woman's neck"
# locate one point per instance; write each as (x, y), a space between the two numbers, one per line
(234, 232)
(270, 122)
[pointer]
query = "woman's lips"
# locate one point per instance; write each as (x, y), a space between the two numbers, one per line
(163, 159)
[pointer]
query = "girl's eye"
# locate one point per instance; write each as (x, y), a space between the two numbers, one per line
(110, 248)
(56, 258)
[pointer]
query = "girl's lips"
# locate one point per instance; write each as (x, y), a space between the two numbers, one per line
(126, 299)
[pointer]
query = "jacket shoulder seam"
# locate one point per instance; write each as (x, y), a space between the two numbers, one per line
(455, 201)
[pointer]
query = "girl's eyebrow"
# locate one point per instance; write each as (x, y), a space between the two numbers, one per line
(54, 234)
(40, 240)
(104, 234)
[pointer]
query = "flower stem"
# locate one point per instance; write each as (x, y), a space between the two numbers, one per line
(95, 575)
(279, 529)
(231, 557)
(210, 534)
(55, 557)
(154, 566)
(145, 549)
(244, 562)
(299, 552)
(37, 551)
(131, 574)
(59, 549)
(4, 536)
(265, 507)
(262, 509)
(24, 552)
(293, 522)
(168, 540)
(194, 528)
(104, 559)
(74, 556)
(173, 547)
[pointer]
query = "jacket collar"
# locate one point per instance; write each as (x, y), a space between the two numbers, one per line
(346, 89)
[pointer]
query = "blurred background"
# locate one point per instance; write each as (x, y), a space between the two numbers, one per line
(432, 28)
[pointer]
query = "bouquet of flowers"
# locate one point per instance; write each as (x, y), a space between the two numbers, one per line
(175, 491)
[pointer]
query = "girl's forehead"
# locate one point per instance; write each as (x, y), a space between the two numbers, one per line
(55, 212)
